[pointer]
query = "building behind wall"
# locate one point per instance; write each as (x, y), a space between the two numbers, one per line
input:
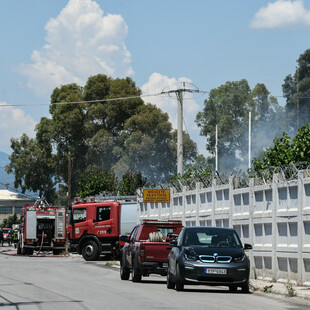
(11, 203)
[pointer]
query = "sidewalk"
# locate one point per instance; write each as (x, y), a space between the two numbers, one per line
(285, 289)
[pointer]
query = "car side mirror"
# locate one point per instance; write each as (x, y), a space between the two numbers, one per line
(247, 246)
(124, 238)
(173, 243)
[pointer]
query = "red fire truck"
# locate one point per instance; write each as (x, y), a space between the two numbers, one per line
(42, 227)
(95, 227)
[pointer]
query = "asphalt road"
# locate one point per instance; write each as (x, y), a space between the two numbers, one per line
(71, 283)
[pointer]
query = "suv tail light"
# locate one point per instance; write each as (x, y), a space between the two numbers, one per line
(142, 253)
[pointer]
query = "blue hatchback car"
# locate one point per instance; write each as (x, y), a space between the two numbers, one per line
(210, 256)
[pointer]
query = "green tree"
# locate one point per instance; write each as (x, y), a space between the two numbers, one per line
(150, 145)
(228, 107)
(105, 120)
(286, 151)
(33, 166)
(130, 182)
(301, 144)
(95, 181)
(115, 135)
(8, 222)
(296, 90)
(268, 119)
(201, 162)
(110, 115)
(67, 131)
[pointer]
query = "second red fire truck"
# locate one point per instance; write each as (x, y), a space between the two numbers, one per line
(42, 227)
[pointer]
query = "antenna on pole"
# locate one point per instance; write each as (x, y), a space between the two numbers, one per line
(179, 95)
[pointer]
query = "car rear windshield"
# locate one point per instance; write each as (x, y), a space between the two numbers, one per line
(215, 238)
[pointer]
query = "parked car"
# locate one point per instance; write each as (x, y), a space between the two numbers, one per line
(146, 249)
(208, 255)
(6, 236)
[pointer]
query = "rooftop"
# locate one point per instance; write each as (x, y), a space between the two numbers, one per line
(8, 195)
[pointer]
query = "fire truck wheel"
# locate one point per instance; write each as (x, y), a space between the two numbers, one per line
(90, 250)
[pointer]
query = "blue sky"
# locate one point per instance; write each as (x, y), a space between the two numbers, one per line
(158, 43)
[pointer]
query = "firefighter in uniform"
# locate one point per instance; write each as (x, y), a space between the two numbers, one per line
(15, 236)
(10, 237)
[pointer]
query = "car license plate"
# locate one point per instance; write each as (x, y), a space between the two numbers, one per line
(215, 271)
(165, 265)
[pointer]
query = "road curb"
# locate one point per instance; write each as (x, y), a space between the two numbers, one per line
(287, 289)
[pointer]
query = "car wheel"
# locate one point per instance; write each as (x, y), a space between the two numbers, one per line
(90, 250)
(124, 272)
(179, 285)
(170, 284)
(136, 277)
(245, 287)
(233, 288)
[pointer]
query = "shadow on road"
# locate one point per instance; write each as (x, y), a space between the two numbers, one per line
(153, 282)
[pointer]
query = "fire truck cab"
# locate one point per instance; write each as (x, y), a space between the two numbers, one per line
(96, 226)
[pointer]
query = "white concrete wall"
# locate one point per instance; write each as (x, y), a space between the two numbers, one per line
(274, 218)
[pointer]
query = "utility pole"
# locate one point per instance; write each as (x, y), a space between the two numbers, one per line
(68, 201)
(179, 95)
(69, 178)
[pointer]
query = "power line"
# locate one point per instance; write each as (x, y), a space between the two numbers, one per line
(132, 97)
(79, 102)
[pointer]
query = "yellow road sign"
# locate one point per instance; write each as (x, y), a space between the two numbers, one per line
(156, 195)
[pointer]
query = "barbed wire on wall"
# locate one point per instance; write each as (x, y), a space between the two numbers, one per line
(242, 179)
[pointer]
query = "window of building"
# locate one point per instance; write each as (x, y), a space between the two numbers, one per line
(6, 210)
(17, 210)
